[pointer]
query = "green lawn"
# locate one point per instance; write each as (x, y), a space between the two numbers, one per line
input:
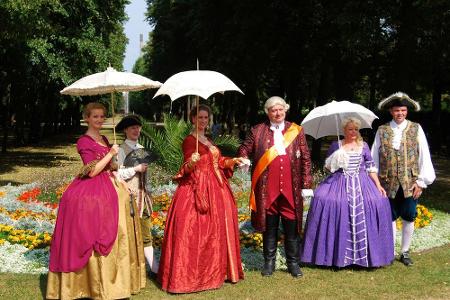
(429, 278)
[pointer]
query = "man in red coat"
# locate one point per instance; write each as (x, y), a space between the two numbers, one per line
(281, 169)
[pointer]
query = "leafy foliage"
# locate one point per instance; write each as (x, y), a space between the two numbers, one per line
(46, 45)
(166, 142)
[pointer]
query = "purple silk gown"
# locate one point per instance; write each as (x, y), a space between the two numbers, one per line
(349, 221)
(87, 215)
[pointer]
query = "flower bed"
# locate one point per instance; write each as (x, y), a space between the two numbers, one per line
(28, 215)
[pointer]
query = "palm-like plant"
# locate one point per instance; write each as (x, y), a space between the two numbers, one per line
(166, 142)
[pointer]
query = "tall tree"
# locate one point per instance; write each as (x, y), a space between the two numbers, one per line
(47, 45)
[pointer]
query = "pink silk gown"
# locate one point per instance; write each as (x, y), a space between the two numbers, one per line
(201, 240)
(96, 249)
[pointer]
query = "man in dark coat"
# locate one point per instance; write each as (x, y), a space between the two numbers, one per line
(281, 169)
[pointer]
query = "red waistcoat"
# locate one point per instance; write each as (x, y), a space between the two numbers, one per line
(280, 180)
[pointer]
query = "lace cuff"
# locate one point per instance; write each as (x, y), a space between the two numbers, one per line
(372, 170)
(337, 160)
(421, 183)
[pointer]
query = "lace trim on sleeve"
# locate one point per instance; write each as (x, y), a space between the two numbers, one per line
(338, 160)
(370, 167)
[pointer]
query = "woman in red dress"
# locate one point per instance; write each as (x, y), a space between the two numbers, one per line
(201, 240)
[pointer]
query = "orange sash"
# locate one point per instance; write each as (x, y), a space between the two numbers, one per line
(268, 157)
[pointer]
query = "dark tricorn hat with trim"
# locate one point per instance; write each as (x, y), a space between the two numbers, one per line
(398, 99)
(128, 121)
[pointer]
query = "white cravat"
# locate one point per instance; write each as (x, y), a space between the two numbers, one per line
(133, 144)
(278, 139)
(398, 131)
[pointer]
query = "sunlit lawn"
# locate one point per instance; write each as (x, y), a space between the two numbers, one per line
(429, 278)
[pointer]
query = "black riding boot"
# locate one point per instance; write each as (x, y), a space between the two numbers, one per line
(292, 246)
(270, 243)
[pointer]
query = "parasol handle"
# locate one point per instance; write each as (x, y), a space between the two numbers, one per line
(196, 125)
(337, 130)
(113, 122)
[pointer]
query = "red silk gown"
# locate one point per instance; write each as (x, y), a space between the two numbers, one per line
(201, 240)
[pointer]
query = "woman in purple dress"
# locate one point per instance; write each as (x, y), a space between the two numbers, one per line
(349, 219)
(96, 249)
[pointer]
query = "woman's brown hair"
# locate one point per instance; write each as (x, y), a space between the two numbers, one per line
(203, 107)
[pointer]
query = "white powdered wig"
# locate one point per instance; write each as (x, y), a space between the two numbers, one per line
(275, 100)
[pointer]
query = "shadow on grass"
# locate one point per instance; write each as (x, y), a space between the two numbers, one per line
(436, 195)
(10, 161)
(355, 268)
(43, 285)
(12, 182)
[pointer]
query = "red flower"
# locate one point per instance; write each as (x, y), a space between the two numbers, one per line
(30, 195)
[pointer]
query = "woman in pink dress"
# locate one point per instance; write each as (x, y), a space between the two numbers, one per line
(201, 248)
(96, 249)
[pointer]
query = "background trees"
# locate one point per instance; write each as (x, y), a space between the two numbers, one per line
(45, 45)
(308, 52)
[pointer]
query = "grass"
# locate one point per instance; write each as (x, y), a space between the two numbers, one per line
(51, 161)
(438, 194)
(429, 278)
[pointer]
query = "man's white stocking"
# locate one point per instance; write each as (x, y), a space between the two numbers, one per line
(407, 233)
(394, 233)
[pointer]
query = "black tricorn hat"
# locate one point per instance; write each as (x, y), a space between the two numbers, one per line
(398, 99)
(128, 121)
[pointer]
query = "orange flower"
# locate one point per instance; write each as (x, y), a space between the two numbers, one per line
(30, 195)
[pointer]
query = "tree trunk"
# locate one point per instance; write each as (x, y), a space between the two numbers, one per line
(6, 118)
(436, 112)
(5, 131)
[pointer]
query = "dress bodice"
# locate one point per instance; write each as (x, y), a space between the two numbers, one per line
(90, 150)
(349, 162)
(354, 163)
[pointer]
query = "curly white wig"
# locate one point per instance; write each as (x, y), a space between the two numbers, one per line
(275, 100)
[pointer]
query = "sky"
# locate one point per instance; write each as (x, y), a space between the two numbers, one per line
(135, 25)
